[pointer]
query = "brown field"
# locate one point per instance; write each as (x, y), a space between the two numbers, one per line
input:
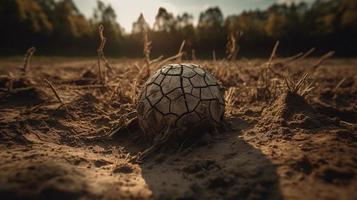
(276, 144)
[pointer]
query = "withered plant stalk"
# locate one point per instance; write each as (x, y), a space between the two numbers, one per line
(179, 59)
(193, 54)
(230, 100)
(214, 55)
(101, 56)
(322, 59)
(232, 47)
(147, 49)
(27, 59)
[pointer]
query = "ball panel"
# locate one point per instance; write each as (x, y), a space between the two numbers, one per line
(197, 81)
(209, 80)
(188, 120)
(164, 105)
(170, 120)
(215, 110)
(159, 79)
(174, 94)
(152, 78)
(206, 94)
(192, 102)
(176, 70)
(170, 82)
(143, 107)
(196, 92)
(217, 93)
(179, 106)
(187, 87)
(188, 73)
(199, 71)
(165, 69)
(203, 109)
(154, 94)
(153, 121)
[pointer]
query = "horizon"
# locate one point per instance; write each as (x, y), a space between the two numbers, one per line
(126, 17)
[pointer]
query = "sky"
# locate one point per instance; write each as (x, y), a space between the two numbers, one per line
(129, 10)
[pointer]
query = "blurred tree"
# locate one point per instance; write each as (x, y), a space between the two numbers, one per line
(276, 25)
(210, 19)
(23, 24)
(186, 31)
(211, 34)
(69, 23)
(349, 15)
(48, 6)
(184, 24)
(184, 20)
(251, 23)
(140, 25)
(58, 27)
(323, 17)
(164, 21)
(25, 15)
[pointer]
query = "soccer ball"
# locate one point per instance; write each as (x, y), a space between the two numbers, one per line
(183, 97)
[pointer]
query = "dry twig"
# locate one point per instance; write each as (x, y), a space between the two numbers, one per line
(322, 59)
(54, 91)
(27, 59)
(308, 53)
(193, 54)
(101, 57)
(339, 85)
(147, 49)
(63, 104)
(180, 51)
(170, 58)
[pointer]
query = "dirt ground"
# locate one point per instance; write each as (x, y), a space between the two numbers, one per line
(278, 144)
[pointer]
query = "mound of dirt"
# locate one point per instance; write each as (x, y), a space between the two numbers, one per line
(87, 78)
(15, 83)
(85, 102)
(4, 81)
(28, 96)
(44, 181)
(291, 110)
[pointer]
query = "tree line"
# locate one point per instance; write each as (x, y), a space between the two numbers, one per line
(57, 27)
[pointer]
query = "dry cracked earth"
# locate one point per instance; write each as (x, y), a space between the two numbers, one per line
(285, 147)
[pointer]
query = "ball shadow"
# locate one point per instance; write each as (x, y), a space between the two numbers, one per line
(228, 168)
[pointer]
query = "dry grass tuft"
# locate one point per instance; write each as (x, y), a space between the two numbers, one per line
(301, 87)
(230, 100)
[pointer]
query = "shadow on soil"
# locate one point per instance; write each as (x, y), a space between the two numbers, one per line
(226, 168)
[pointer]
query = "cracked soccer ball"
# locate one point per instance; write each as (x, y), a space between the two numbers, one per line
(184, 97)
